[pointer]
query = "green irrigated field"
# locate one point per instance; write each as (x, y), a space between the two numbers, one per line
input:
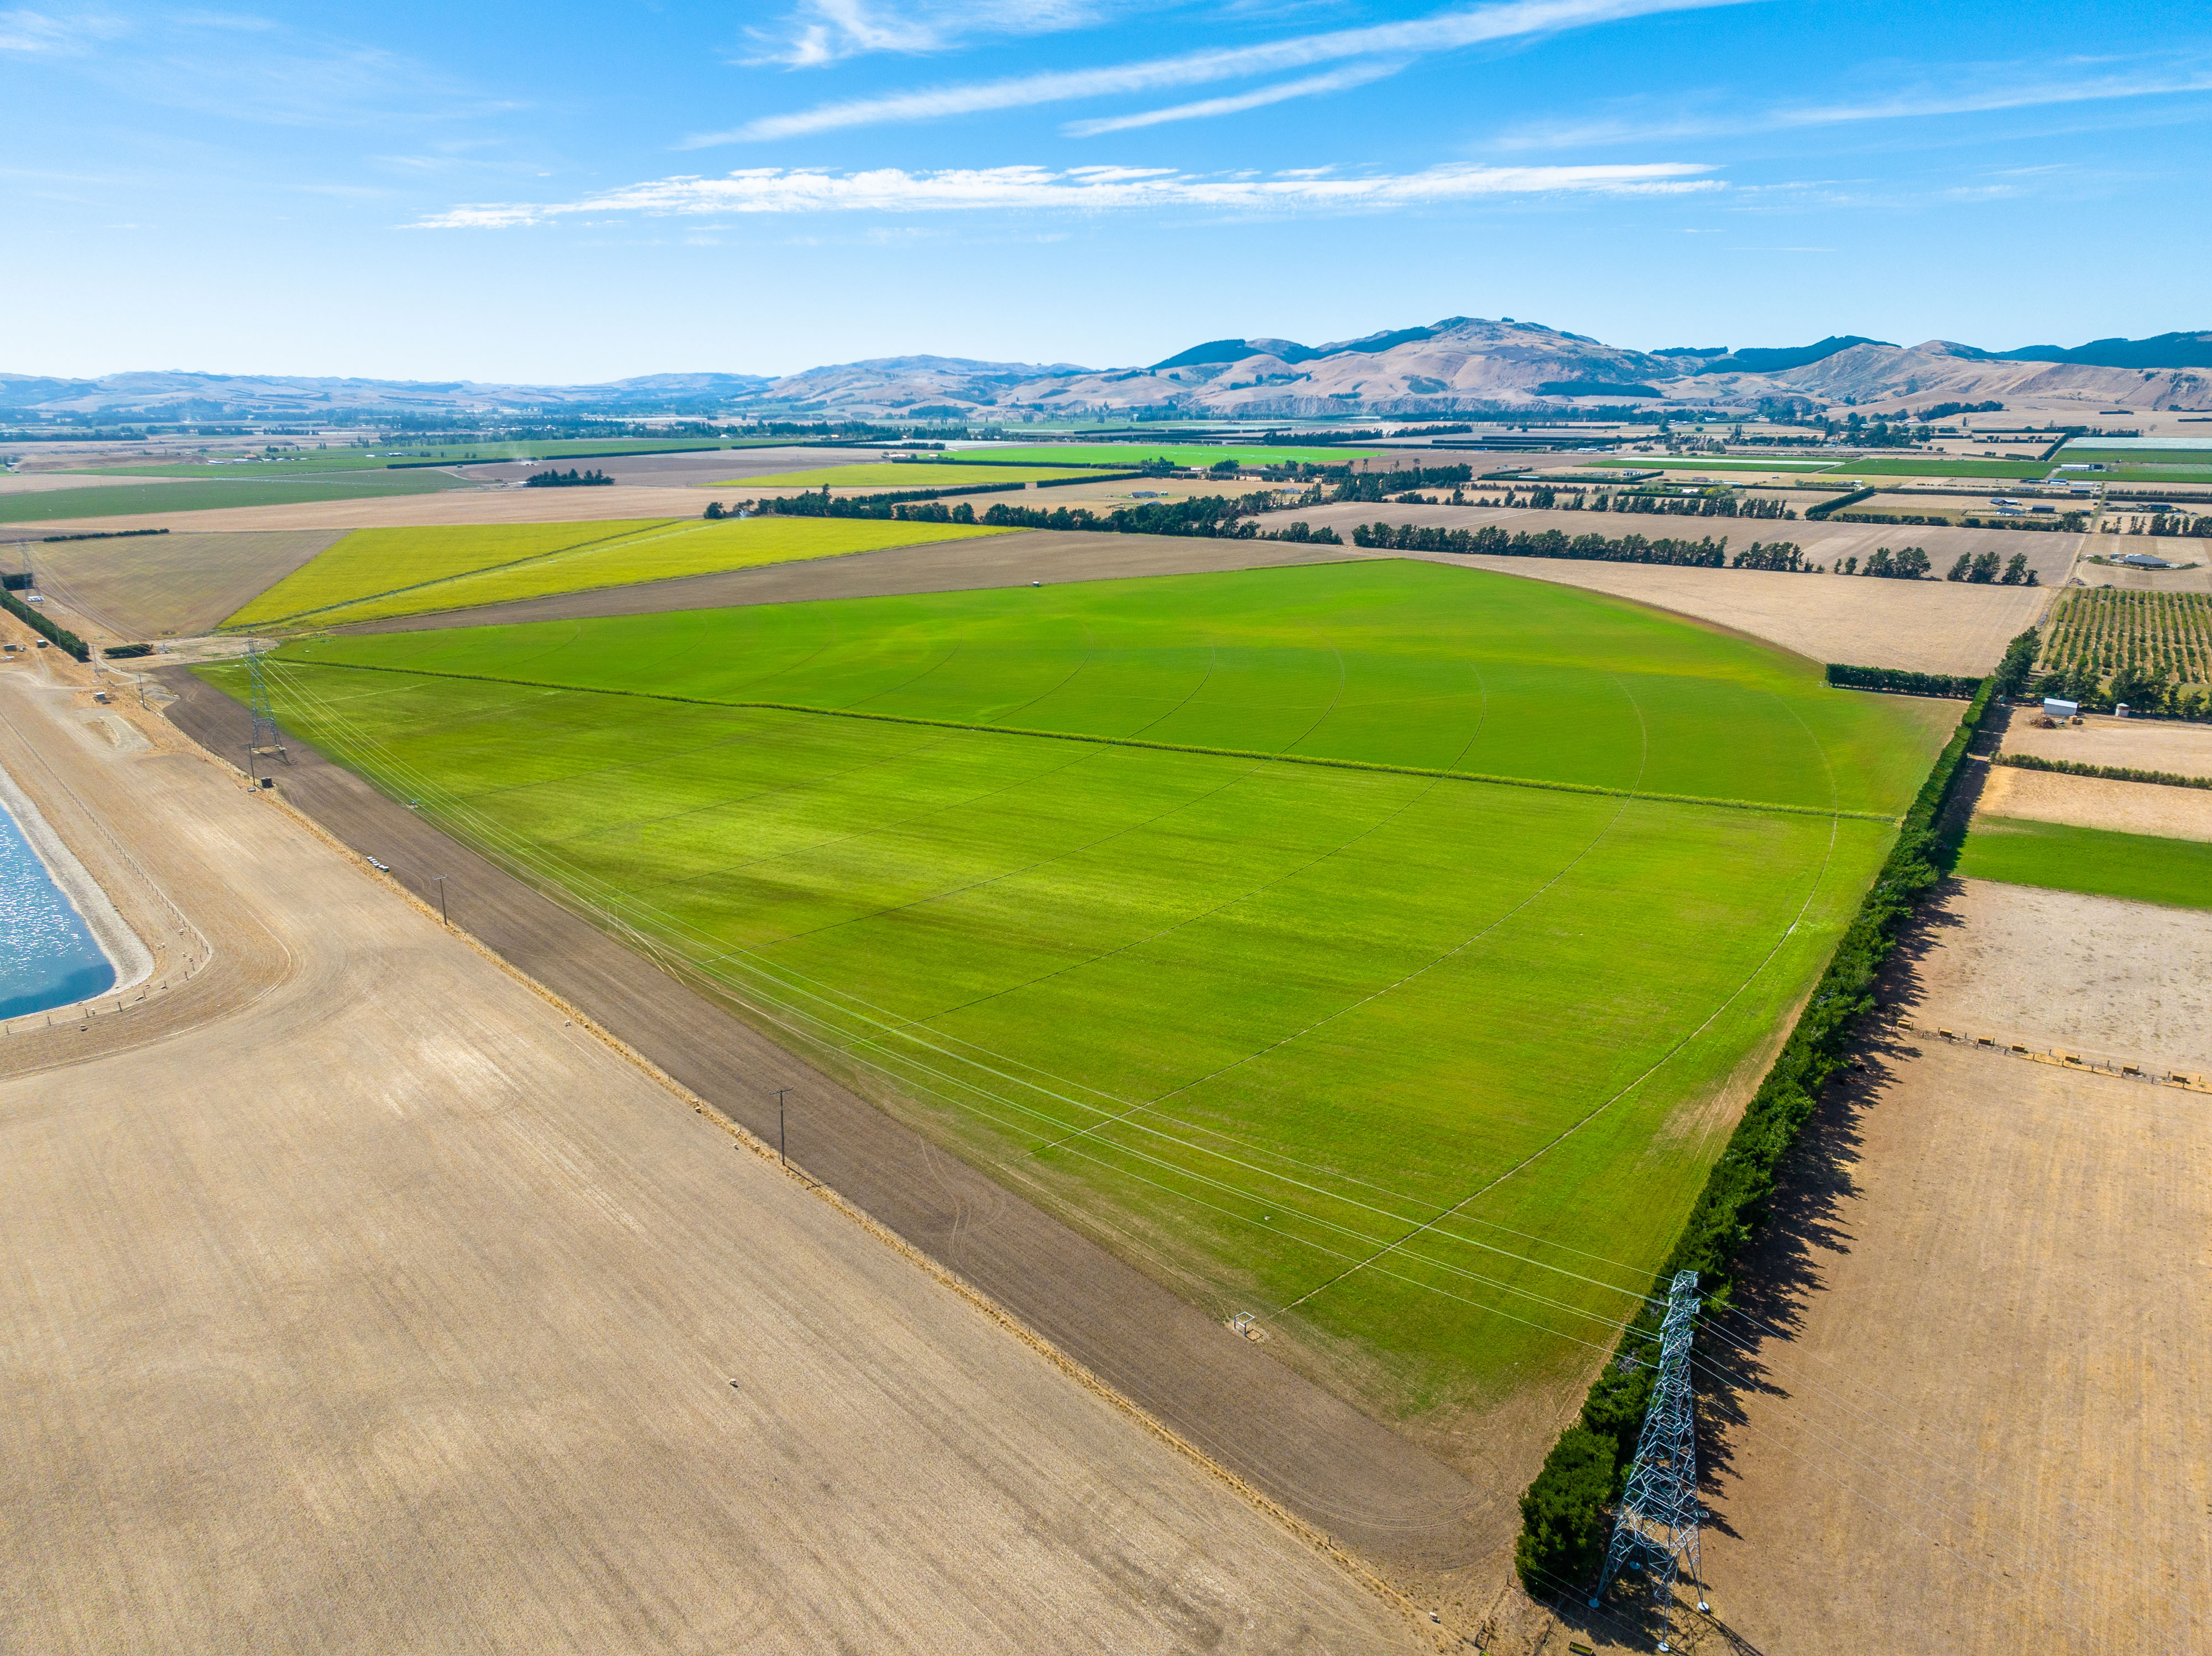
(2141, 867)
(1180, 454)
(1424, 1070)
(376, 573)
(912, 474)
(1734, 463)
(135, 500)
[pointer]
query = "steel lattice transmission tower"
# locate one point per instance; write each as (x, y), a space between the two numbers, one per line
(1657, 1529)
(267, 741)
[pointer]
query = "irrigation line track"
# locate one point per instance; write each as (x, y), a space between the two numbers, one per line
(1319, 760)
(808, 1027)
(1542, 1150)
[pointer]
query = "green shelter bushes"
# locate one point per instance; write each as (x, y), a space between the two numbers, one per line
(1829, 508)
(38, 624)
(1564, 1512)
(1899, 682)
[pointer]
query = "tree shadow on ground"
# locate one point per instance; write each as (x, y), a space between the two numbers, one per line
(1804, 1225)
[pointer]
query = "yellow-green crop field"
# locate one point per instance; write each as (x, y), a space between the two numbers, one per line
(373, 573)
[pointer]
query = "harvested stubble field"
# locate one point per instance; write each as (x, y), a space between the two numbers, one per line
(896, 475)
(2100, 862)
(1370, 1053)
(2097, 801)
(1921, 626)
(219, 493)
(153, 586)
(1978, 1416)
(377, 573)
(1134, 455)
(2146, 745)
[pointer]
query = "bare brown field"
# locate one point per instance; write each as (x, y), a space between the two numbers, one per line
(42, 483)
(170, 586)
(2173, 550)
(1927, 627)
(456, 505)
(2137, 976)
(684, 470)
(2050, 554)
(2148, 744)
(2094, 801)
(1974, 1413)
(358, 1301)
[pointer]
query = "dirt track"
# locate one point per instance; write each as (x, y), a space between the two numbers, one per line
(1989, 1423)
(354, 1302)
(1362, 1484)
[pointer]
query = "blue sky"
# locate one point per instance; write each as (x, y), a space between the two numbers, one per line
(564, 193)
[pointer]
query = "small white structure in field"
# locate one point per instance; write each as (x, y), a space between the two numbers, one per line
(2054, 708)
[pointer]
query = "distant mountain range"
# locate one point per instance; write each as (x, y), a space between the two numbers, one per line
(1460, 365)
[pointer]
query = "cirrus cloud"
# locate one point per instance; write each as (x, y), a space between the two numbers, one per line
(1443, 31)
(892, 189)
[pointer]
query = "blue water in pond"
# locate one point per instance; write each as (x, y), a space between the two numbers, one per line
(47, 954)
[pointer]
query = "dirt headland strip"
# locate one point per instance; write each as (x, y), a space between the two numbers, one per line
(373, 1308)
(1353, 1479)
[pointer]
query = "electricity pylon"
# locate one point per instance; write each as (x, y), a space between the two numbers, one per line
(266, 741)
(1656, 1531)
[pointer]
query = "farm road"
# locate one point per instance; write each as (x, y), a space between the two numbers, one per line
(355, 1303)
(1356, 1481)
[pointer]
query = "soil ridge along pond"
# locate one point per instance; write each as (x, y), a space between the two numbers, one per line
(54, 958)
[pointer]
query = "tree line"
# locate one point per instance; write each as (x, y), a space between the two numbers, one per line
(1215, 517)
(1492, 540)
(1981, 569)
(1906, 563)
(1564, 1516)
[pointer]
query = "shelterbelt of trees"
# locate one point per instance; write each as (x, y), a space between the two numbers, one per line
(1492, 540)
(1215, 516)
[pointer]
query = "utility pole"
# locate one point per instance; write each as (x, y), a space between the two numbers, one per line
(1656, 1530)
(439, 880)
(780, 1155)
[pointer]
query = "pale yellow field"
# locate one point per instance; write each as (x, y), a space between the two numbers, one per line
(892, 475)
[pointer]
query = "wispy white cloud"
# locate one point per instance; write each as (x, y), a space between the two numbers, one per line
(1336, 80)
(890, 190)
(2003, 87)
(38, 33)
(1442, 31)
(828, 30)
